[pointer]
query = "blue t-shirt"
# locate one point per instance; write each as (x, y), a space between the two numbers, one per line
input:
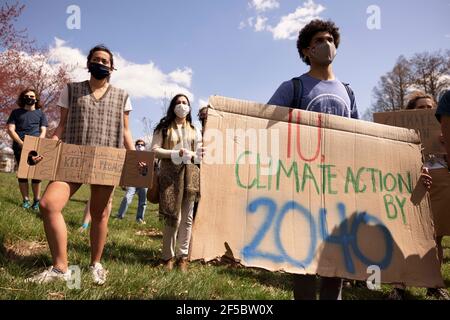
(325, 96)
(443, 108)
(27, 122)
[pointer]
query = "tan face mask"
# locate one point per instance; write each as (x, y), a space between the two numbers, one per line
(323, 53)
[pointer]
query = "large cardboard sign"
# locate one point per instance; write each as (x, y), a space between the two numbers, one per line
(311, 193)
(85, 164)
(423, 120)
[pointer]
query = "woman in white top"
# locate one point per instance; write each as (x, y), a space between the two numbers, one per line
(177, 143)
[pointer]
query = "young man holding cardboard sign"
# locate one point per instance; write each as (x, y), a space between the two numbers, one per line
(317, 90)
(93, 113)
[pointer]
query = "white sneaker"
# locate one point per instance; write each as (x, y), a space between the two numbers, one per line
(49, 275)
(140, 221)
(98, 273)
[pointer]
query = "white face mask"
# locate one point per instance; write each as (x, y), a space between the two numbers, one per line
(182, 110)
(140, 148)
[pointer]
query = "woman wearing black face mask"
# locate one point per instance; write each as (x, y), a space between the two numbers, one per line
(93, 113)
(27, 120)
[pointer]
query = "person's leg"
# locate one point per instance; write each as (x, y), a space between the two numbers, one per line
(23, 183)
(142, 204)
(126, 201)
(184, 233)
(86, 217)
(53, 201)
(330, 288)
(87, 213)
(440, 250)
(440, 293)
(23, 187)
(304, 287)
(36, 187)
(100, 209)
(398, 292)
(169, 242)
(185, 228)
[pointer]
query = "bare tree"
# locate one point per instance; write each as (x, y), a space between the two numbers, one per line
(392, 89)
(431, 72)
(148, 130)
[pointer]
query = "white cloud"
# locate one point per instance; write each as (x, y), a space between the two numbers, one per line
(202, 102)
(250, 21)
(139, 80)
(60, 53)
(260, 24)
(182, 77)
(290, 25)
(264, 5)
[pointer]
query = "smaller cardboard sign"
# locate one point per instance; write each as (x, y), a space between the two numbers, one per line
(423, 120)
(85, 164)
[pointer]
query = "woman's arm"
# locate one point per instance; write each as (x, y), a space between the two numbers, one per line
(43, 132)
(62, 124)
(160, 152)
(127, 137)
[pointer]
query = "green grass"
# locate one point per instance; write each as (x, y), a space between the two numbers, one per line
(131, 256)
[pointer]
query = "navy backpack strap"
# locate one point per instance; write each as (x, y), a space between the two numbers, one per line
(298, 92)
(351, 94)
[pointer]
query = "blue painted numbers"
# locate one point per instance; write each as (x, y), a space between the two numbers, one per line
(347, 238)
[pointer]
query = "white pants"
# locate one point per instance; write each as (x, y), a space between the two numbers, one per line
(176, 239)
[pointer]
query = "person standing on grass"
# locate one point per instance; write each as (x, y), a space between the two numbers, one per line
(317, 90)
(178, 144)
(93, 113)
(87, 215)
(436, 166)
(28, 119)
(131, 191)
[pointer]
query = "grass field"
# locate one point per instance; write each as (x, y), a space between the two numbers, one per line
(131, 256)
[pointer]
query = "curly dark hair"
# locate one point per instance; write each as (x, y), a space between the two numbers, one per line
(21, 99)
(307, 33)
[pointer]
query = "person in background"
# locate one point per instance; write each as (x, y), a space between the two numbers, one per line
(443, 116)
(28, 119)
(436, 167)
(87, 215)
(202, 117)
(131, 191)
(177, 143)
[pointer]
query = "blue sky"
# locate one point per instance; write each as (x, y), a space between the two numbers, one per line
(207, 47)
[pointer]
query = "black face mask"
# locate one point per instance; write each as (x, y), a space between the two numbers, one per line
(99, 71)
(29, 101)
